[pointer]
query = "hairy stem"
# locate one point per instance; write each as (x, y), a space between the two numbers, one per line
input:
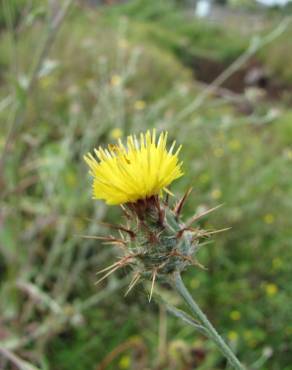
(212, 332)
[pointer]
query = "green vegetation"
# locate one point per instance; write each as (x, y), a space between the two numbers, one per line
(123, 69)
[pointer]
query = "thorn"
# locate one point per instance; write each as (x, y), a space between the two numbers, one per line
(152, 284)
(107, 274)
(178, 254)
(198, 264)
(105, 238)
(118, 243)
(120, 228)
(179, 206)
(179, 234)
(133, 282)
(108, 268)
(120, 262)
(196, 217)
(110, 240)
(162, 265)
(207, 233)
(160, 211)
(166, 200)
(125, 212)
(181, 231)
(168, 192)
(159, 234)
(152, 237)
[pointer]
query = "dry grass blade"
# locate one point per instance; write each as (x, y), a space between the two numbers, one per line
(16, 360)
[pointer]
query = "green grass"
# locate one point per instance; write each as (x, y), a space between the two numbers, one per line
(171, 30)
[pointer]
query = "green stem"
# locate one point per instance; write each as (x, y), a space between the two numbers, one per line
(212, 332)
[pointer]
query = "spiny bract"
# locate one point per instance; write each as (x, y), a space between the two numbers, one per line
(139, 170)
(155, 242)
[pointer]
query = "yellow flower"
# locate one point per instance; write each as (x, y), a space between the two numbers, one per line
(115, 80)
(139, 170)
(124, 362)
(204, 178)
(123, 44)
(71, 179)
(139, 104)
(232, 336)
(288, 330)
(47, 81)
(271, 289)
(269, 218)
(277, 263)
(216, 194)
(116, 133)
(195, 283)
(235, 315)
(234, 145)
(218, 152)
(288, 154)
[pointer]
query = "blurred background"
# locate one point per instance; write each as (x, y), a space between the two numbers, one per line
(77, 74)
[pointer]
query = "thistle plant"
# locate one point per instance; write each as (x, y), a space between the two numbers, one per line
(154, 240)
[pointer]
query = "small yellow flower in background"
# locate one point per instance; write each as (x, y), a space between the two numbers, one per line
(47, 81)
(271, 289)
(139, 170)
(269, 218)
(139, 104)
(221, 136)
(250, 339)
(288, 153)
(204, 178)
(123, 44)
(71, 179)
(235, 315)
(218, 152)
(115, 80)
(195, 283)
(125, 362)
(288, 330)
(249, 162)
(252, 343)
(232, 336)
(216, 193)
(248, 334)
(277, 263)
(116, 133)
(234, 145)
(79, 224)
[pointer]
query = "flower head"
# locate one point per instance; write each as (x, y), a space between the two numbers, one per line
(139, 170)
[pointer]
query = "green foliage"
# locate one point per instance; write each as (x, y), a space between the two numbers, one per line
(276, 58)
(164, 23)
(10, 12)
